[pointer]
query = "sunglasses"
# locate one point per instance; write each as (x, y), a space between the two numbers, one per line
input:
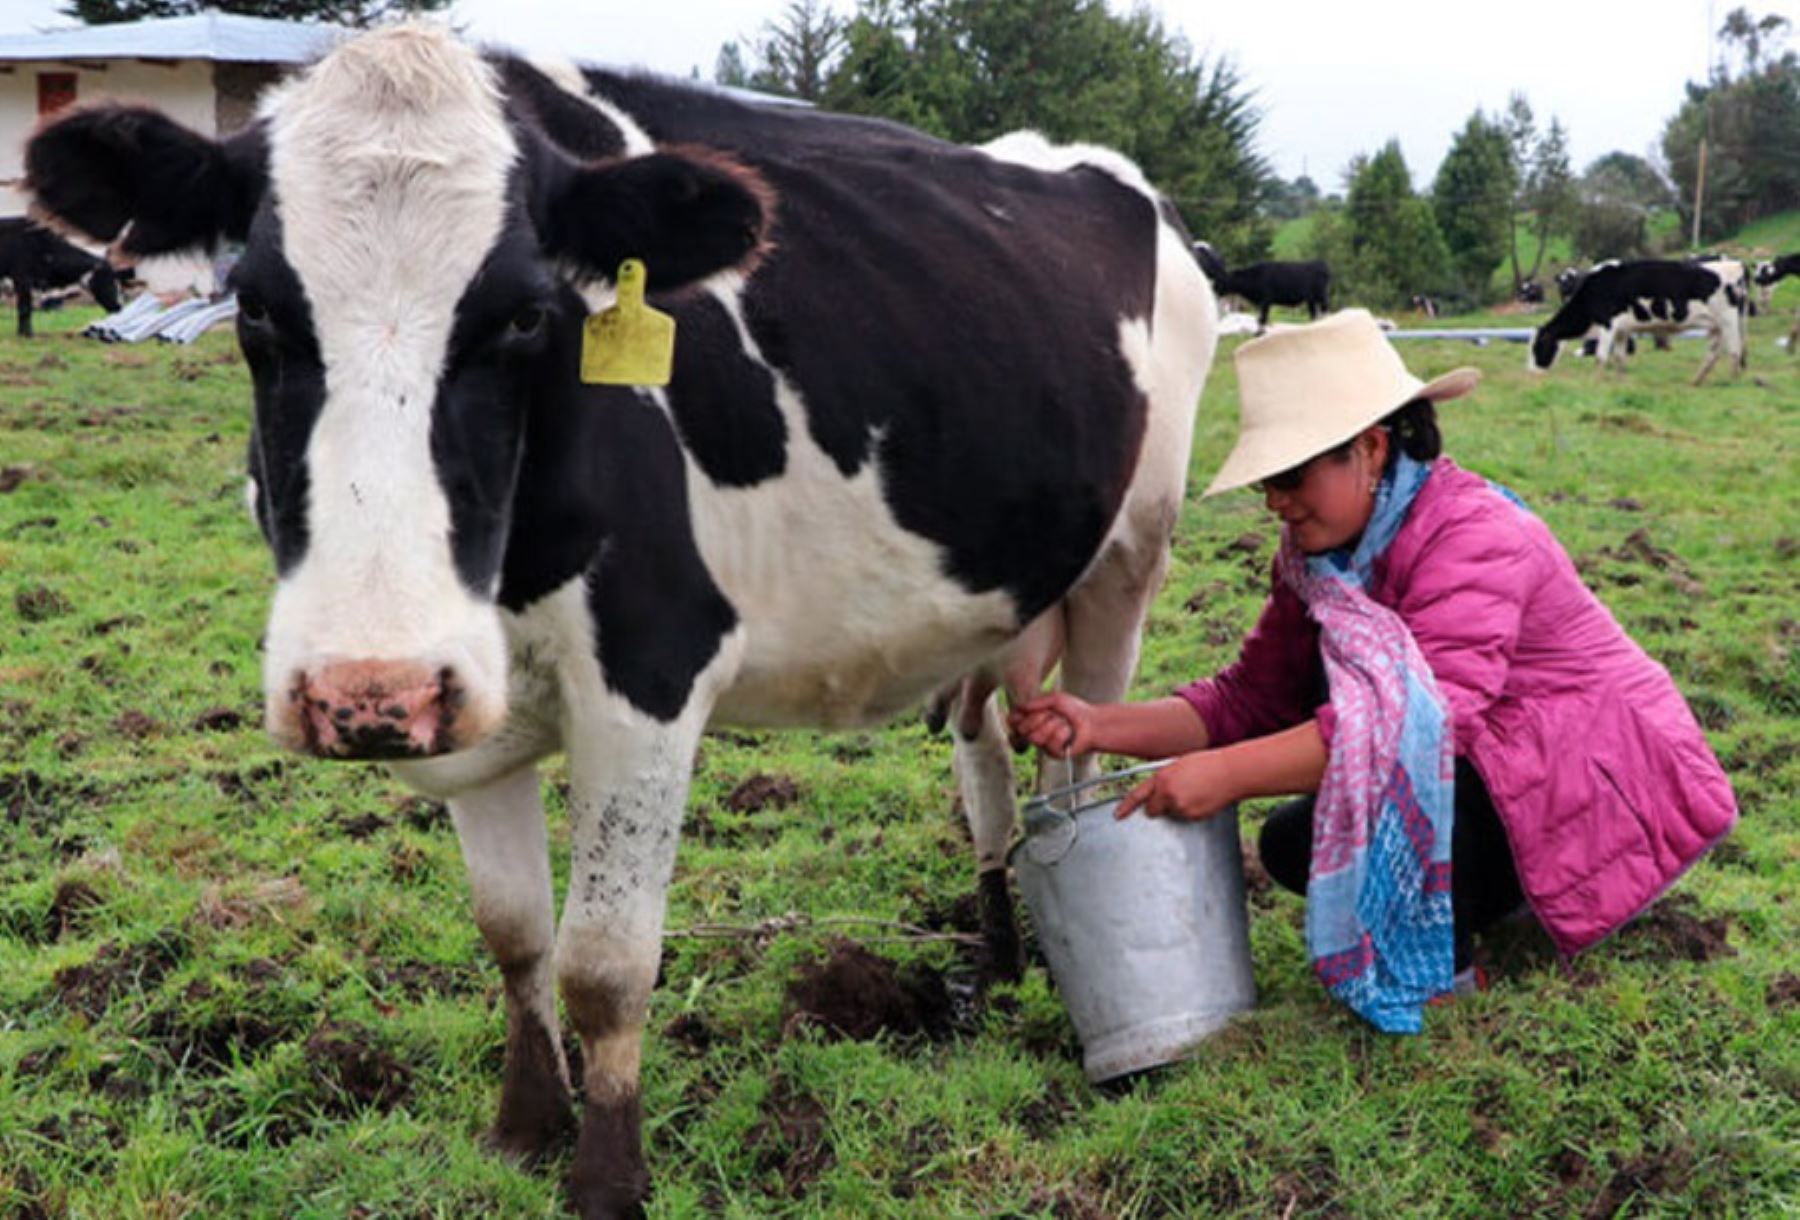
(1289, 479)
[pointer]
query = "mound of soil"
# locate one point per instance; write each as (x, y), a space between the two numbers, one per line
(218, 720)
(763, 791)
(856, 994)
(69, 908)
(91, 986)
(1671, 931)
(40, 603)
(355, 1073)
(210, 1042)
(1784, 991)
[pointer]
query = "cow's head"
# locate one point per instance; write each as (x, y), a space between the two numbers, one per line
(1766, 274)
(103, 283)
(403, 299)
(1544, 346)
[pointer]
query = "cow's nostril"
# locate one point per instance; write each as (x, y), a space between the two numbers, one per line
(342, 715)
(394, 711)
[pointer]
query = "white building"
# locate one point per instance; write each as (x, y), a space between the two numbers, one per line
(204, 71)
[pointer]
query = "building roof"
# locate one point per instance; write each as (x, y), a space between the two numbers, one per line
(214, 36)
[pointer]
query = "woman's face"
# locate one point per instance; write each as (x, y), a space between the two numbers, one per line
(1327, 501)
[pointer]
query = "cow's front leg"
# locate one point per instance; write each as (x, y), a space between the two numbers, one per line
(625, 816)
(501, 827)
(498, 810)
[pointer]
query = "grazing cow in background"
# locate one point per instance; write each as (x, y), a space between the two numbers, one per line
(1652, 296)
(929, 420)
(1531, 293)
(33, 259)
(1769, 274)
(1264, 285)
(1427, 305)
(1568, 280)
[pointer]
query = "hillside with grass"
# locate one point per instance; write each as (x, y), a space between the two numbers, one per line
(236, 982)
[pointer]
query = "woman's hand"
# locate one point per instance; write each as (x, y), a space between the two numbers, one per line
(1191, 788)
(1057, 723)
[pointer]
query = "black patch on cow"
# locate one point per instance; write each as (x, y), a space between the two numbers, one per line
(724, 401)
(568, 122)
(103, 167)
(275, 331)
(964, 310)
(505, 327)
(657, 612)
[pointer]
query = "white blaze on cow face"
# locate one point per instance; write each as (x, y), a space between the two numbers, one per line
(388, 169)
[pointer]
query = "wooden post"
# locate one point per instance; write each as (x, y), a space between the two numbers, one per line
(1699, 194)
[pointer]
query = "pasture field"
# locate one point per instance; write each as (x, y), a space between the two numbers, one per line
(236, 983)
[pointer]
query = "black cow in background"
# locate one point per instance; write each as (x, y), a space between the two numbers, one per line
(33, 259)
(1264, 285)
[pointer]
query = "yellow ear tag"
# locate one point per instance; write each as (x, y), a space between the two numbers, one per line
(630, 343)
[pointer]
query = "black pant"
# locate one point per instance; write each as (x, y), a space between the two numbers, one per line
(1484, 885)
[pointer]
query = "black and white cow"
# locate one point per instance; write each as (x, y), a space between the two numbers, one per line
(929, 423)
(1771, 273)
(1265, 285)
(1648, 295)
(33, 258)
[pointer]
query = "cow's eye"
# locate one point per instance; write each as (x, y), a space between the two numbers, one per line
(526, 323)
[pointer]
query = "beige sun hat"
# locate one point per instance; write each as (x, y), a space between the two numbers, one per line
(1305, 389)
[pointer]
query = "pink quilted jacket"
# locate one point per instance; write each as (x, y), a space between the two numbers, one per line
(1603, 780)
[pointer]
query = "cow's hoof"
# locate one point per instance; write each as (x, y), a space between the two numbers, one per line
(536, 1117)
(614, 1201)
(1003, 952)
(529, 1145)
(609, 1180)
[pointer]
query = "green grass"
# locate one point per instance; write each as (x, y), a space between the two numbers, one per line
(1778, 234)
(234, 983)
(1293, 238)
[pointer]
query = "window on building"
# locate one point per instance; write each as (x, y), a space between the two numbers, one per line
(55, 90)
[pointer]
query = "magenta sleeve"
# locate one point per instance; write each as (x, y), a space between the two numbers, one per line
(1272, 684)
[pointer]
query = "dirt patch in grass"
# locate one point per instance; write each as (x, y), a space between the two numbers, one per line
(241, 785)
(354, 1072)
(362, 826)
(692, 1031)
(856, 994)
(135, 725)
(40, 603)
(422, 814)
(791, 1139)
(218, 720)
(70, 908)
(1672, 930)
(11, 477)
(202, 1036)
(1656, 1171)
(1784, 991)
(89, 988)
(415, 981)
(763, 791)
(32, 806)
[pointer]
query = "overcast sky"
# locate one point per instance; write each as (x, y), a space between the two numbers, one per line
(1333, 77)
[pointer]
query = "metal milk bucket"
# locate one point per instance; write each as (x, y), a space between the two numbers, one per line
(1143, 923)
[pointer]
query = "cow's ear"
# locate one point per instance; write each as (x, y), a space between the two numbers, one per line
(686, 213)
(109, 168)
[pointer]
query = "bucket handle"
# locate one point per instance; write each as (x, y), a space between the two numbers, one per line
(1046, 804)
(1050, 832)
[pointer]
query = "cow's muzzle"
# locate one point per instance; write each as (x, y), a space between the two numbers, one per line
(377, 709)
